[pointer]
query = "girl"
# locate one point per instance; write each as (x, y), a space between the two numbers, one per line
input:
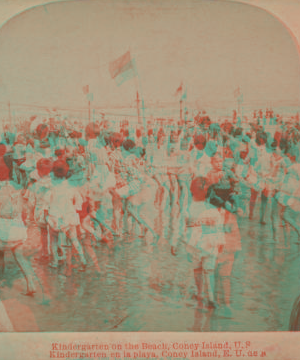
(13, 229)
(39, 202)
(204, 239)
(139, 191)
(62, 216)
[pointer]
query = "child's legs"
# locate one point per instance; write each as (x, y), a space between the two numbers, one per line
(117, 213)
(224, 273)
(282, 224)
(143, 214)
(54, 244)
(105, 211)
(291, 217)
(174, 189)
(263, 206)
(275, 218)
(253, 198)
(2, 263)
(104, 217)
(209, 281)
(198, 276)
(209, 264)
(44, 240)
(184, 197)
(87, 243)
(165, 185)
(72, 234)
(25, 268)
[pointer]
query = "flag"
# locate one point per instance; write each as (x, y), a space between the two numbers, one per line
(237, 92)
(123, 69)
(86, 89)
(183, 97)
(179, 90)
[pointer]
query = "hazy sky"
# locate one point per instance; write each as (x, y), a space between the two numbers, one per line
(50, 52)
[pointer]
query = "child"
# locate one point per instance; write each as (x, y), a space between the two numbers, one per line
(205, 237)
(13, 231)
(62, 216)
(89, 230)
(39, 202)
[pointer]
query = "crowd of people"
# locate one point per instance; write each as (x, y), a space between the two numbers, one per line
(183, 183)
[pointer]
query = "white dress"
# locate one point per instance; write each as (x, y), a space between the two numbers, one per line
(13, 232)
(65, 201)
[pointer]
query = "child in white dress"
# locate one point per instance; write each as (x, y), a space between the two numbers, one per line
(63, 218)
(39, 202)
(204, 239)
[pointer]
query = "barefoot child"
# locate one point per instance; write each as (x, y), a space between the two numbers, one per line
(39, 202)
(13, 230)
(62, 217)
(204, 238)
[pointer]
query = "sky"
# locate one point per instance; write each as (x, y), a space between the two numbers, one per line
(48, 53)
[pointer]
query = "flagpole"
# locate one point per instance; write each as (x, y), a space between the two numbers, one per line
(143, 104)
(180, 102)
(9, 114)
(138, 106)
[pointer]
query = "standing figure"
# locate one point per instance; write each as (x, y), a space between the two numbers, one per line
(12, 224)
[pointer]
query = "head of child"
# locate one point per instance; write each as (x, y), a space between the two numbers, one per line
(217, 162)
(244, 153)
(44, 167)
(60, 169)
(140, 152)
(200, 142)
(228, 127)
(205, 123)
(261, 138)
(214, 131)
(60, 153)
(199, 187)
(92, 131)
(42, 133)
(128, 147)
(116, 140)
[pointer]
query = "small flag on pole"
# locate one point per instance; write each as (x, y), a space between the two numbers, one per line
(86, 89)
(179, 90)
(123, 69)
(237, 92)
